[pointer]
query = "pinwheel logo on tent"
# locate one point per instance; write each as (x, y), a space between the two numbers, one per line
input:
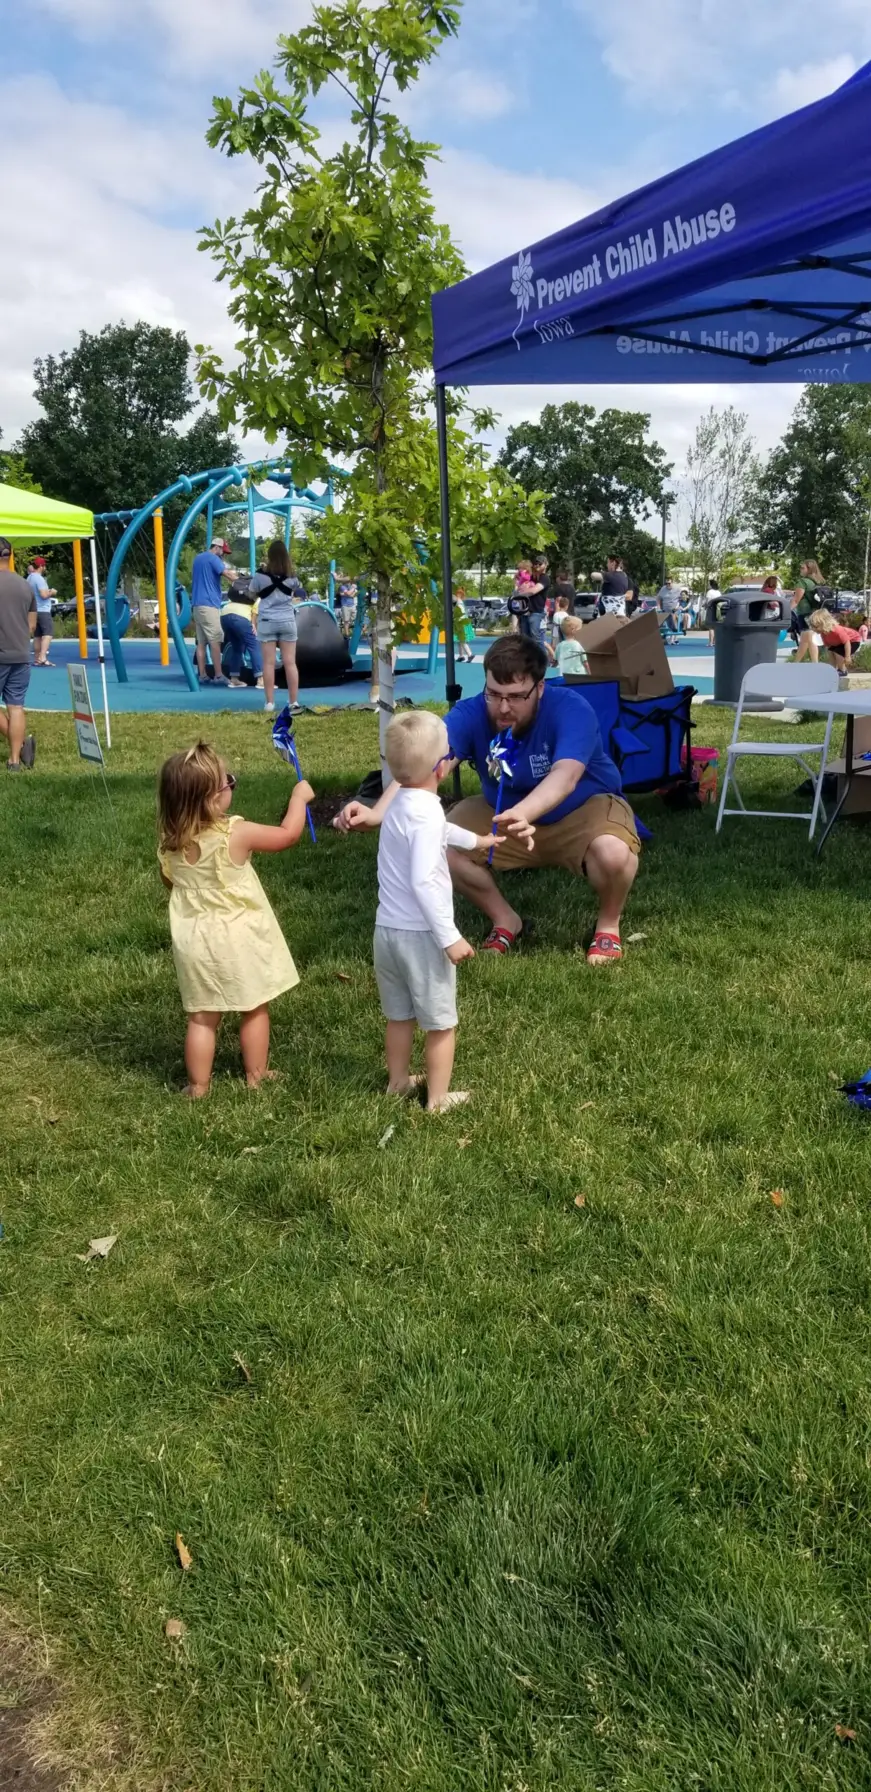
(522, 287)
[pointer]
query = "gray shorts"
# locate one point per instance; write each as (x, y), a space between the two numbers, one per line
(277, 625)
(416, 980)
(44, 622)
(207, 623)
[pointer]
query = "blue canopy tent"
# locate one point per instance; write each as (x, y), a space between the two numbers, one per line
(751, 264)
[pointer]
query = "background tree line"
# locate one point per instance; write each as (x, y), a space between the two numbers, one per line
(119, 420)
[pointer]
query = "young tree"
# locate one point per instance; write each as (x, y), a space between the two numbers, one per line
(108, 435)
(331, 273)
(721, 477)
(599, 472)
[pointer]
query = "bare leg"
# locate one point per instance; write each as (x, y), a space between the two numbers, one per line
(268, 670)
(479, 885)
(12, 725)
(439, 1050)
(611, 871)
(199, 1053)
(254, 1040)
(400, 1039)
(288, 660)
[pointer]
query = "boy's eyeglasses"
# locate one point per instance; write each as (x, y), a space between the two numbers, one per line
(229, 783)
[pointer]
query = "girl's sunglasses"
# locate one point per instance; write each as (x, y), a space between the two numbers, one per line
(229, 783)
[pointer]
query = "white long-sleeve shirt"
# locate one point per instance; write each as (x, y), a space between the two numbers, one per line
(414, 884)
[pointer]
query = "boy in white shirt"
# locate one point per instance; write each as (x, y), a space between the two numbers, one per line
(417, 942)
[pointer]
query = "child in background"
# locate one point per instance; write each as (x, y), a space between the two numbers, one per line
(230, 953)
(570, 656)
(837, 640)
(519, 601)
(464, 633)
(560, 612)
(417, 942)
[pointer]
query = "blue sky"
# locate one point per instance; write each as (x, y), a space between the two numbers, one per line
(545, 109)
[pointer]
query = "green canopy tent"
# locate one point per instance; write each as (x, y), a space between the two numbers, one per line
(28, 516)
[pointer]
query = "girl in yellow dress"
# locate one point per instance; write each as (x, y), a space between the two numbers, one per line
(230, 953)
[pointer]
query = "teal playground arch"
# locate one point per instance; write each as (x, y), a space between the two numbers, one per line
(205, 491)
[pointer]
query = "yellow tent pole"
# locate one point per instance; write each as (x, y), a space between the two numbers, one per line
(80, 600)
(160, 576)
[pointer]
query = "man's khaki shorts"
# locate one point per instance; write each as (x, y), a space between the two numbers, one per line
(562, 843)
(208, 626)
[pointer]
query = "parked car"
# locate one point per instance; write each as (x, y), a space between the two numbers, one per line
(483, 611)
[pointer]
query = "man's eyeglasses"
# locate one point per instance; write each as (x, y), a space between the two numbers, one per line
(511, 699)
(228, 784)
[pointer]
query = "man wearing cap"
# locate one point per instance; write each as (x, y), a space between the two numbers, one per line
(39, 585)
(208, 571)
(17, 623)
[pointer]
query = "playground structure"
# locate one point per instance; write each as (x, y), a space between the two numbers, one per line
(209, 494)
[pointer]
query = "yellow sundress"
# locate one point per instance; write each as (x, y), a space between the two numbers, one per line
(230, 953)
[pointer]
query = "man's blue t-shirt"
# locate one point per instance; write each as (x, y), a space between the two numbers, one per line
(566, 727)
(206, 577)
(39, 587)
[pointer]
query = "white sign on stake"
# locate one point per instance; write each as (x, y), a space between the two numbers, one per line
(83, 715)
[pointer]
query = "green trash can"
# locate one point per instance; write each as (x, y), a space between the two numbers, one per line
(747, 624)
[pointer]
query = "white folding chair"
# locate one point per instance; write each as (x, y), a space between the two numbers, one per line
(793, 682)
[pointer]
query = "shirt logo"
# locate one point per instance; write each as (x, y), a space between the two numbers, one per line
(539, 764)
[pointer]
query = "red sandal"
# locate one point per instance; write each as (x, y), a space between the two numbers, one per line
(500, 940)
(605, 949)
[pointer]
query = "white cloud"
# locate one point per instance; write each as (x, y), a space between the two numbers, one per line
(83, 199)
(187, 35)
(679, 51)
(795, 87)
(106, 189)
(493, 211)
(468, 94)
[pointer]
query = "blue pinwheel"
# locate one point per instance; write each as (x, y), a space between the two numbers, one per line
(284, 743)
(859, 1093)
(501, 763)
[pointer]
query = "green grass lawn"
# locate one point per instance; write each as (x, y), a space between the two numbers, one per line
(521, 1496)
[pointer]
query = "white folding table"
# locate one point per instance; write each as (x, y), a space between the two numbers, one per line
(838, 703)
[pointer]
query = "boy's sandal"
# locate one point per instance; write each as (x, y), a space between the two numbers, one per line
(500, 940)
(605, 949)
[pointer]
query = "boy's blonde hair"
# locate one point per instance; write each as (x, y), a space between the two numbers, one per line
(572, 628)
(823, 621)
(190, 785)
(414, 744)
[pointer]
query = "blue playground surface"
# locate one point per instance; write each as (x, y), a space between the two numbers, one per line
(153, 688)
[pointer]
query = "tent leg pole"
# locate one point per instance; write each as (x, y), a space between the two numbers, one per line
(95, 581)
(453, 691)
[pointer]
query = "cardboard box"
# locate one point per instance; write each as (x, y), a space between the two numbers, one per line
(629, 650)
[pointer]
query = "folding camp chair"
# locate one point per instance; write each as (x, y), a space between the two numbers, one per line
(780, 681)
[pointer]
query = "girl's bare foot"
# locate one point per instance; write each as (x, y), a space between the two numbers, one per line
(411, 1086)
(455, 1099)
(196, 1091)
(256, 1077)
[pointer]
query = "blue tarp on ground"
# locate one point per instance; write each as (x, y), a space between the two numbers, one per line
(752, 263)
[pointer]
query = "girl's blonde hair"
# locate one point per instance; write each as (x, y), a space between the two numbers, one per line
(187, 798)
(823, 621)
(414, 744)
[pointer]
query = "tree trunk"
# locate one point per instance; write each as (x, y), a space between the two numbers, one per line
(382, 668)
